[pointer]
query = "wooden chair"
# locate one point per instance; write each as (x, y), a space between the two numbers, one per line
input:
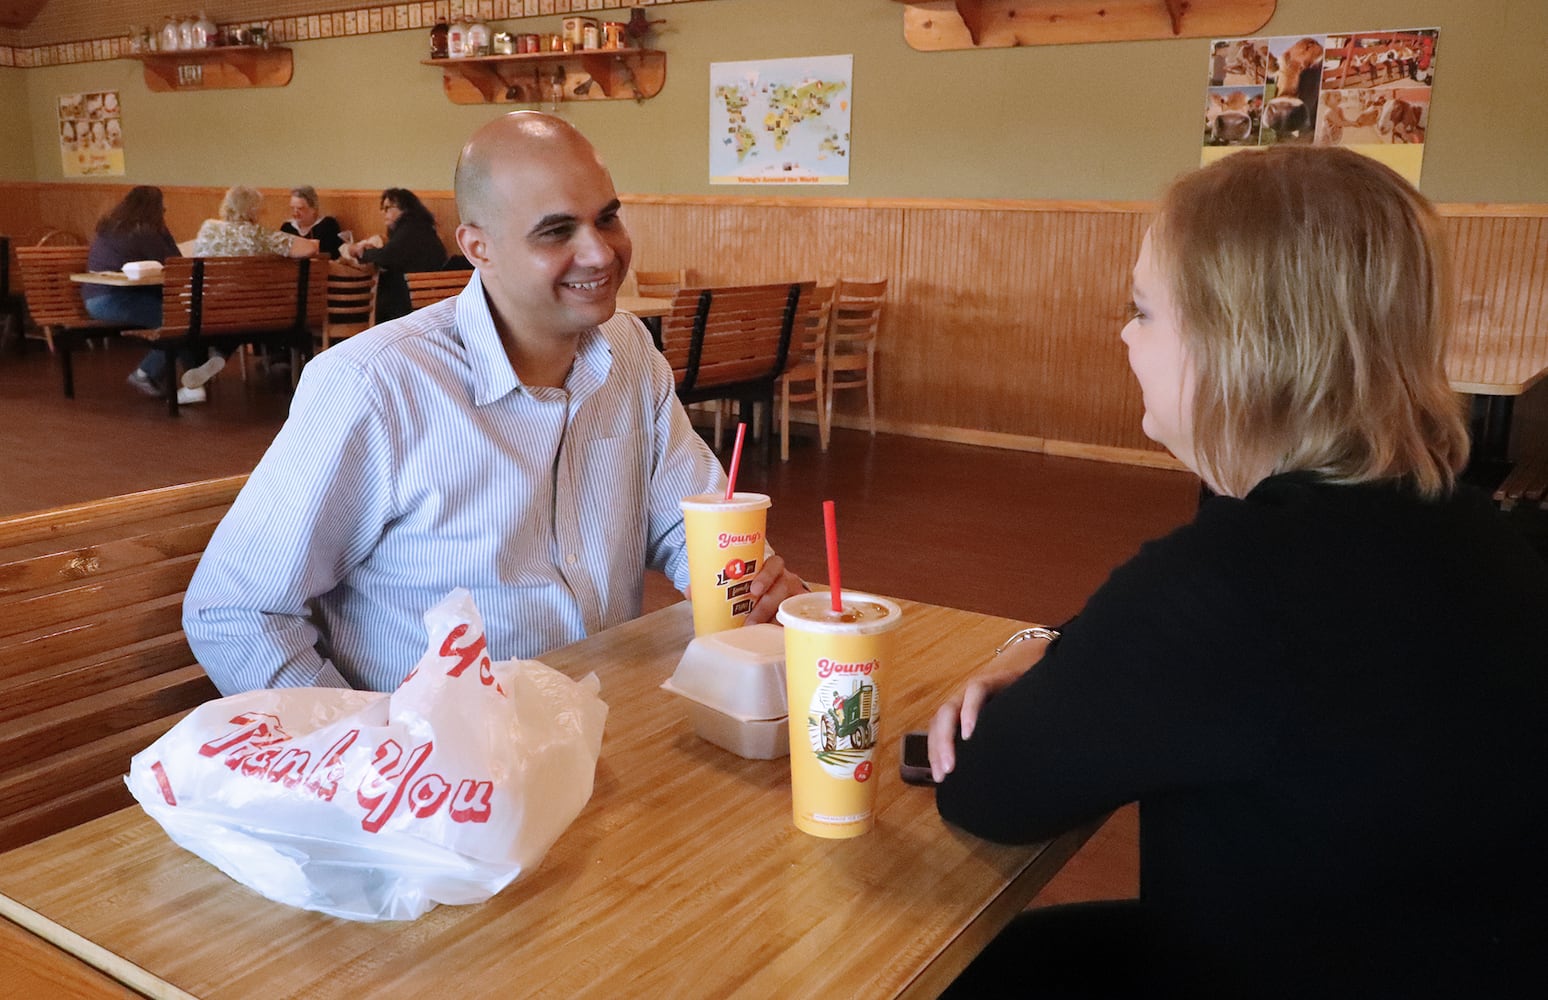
(426, 288)
(803, 380)
(229, 302)
(351, 301)
(1526, 484)
(93, 662)
(732, 342)
(55, 303)
(857, 308)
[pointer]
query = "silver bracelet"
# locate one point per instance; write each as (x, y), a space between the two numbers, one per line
(1035, 632)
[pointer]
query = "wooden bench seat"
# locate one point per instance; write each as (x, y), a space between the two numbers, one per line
(93, 662)
(1527, 483)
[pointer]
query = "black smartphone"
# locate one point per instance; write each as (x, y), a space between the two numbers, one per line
(915, 764)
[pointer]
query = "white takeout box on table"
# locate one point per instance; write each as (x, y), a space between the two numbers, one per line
(734, 683)
(137, 269)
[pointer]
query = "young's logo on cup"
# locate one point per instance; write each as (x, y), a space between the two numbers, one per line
(841, 725)
(727, 539)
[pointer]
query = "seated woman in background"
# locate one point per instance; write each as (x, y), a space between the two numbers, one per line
(237, 233)
(1327, 692)
(412, 244)
(136, 229)
(307, 220)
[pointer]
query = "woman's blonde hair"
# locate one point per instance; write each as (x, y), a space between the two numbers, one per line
(1312, 291)
(240, 204)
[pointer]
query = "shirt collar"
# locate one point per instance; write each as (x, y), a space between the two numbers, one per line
(492, 376)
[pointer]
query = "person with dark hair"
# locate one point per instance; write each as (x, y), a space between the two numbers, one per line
(412, 244)
(1327, 692)
(307, 221)
(135, 229)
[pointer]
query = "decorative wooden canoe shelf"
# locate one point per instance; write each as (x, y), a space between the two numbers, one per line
(217, 68)
(940, 25)
(604, 75)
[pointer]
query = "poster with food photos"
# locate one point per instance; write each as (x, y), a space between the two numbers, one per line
(1368, 90)
(91, 134)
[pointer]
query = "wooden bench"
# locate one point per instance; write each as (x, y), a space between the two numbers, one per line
(93, 662)
(230, 302)
(55, 303)
(426, 288)
(1527, 483)
(732, 343)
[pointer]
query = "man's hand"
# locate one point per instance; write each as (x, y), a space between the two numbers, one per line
(963, 709)
(772, 585)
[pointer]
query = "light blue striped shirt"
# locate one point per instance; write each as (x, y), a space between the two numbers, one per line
(415, 461)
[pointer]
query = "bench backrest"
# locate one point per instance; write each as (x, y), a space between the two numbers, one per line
(719, 338)
(52, 298)
(247, 296)
(426, 288)
(93, 662)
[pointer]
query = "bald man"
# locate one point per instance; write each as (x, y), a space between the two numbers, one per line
(522, 440)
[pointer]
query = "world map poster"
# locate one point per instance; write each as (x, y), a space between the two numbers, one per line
(780, 121)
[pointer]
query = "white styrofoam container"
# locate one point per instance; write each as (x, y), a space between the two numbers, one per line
(739, 672)
(734, 684)
(758, 739)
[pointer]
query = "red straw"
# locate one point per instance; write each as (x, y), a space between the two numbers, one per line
(736, 460)
(830, 529)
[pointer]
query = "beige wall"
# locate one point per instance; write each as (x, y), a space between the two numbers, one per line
(1112, 121)
(15, 136)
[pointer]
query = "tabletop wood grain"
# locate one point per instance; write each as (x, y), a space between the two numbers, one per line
(683, 877)
(644, 306)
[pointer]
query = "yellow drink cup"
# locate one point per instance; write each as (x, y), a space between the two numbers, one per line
(725, 551)
(833, 675)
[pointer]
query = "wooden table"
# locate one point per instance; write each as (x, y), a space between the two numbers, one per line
(650, 309)
(683, 877)
(116, 278)
(1494, 376)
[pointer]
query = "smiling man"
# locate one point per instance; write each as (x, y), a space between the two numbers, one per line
(521, 440)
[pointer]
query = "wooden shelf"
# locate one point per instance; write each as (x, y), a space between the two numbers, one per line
(941, 25)
(594, 75)
(217, 68)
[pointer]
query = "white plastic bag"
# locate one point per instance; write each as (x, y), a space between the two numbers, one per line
(377, 806)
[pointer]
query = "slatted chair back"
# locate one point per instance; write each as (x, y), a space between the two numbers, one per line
(660, 284)
(803, 380)
(857, 309)
(93, 662)
(351, 301)
(426, 288)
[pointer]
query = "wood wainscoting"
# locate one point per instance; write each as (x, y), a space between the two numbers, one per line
(1002, 319)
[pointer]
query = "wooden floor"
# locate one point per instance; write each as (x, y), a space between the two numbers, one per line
(1001, 532)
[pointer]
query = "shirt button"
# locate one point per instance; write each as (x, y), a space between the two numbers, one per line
(571, 559)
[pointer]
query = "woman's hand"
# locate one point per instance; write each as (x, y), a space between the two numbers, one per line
(963, 709)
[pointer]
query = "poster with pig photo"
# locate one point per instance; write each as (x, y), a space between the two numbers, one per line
(1368, 90)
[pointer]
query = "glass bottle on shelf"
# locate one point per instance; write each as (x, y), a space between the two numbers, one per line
(457, 39)
(203, 31)
(438, 40)
(171, 36)
(185, 31)
(477, 39)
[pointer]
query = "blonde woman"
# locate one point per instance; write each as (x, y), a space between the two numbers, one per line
(1327, 693)
(237, 233)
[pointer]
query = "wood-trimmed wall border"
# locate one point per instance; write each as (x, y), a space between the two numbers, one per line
(1009, 340)
(364, 20)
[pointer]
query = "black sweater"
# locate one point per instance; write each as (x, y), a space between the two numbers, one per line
(1331, 703)
(412, 245)
(325, 231)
